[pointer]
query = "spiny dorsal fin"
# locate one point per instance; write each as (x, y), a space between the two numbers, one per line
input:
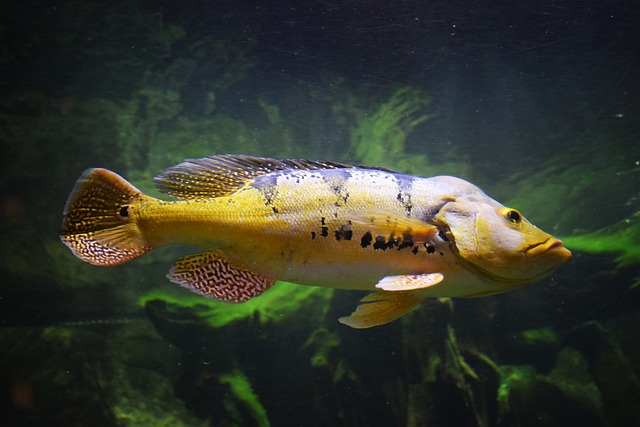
(220, 175)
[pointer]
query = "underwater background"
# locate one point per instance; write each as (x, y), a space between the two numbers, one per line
(537, 102)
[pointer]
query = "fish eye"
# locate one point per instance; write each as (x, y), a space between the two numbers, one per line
(514, 216)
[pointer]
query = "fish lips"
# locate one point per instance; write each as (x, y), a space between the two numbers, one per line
(549, 247)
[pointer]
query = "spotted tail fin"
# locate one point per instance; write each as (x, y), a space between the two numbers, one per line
(98, 226)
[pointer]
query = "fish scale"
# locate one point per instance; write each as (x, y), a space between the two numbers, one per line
(318, 223)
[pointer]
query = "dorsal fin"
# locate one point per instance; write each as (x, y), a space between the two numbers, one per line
(220, 175)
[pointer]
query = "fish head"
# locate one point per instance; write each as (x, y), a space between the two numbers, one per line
(499, 243)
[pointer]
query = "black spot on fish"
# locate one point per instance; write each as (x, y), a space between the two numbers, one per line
(415, 250)
(430, 249)
(324, 231)
(313, 235)
(405, 185)
(441, 253)
(336, 180)
(366, 239)
(289, 255)
(264, 182)
(405, 182)
(322, 221)
(381, 243)
(384, 244)
(267, 186)
(124, 211)
(274, 209)
(407, 241)
(344, 232)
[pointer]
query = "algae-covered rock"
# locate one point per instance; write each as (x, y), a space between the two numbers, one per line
(74, 376)
(571, 375)
(220, 337)
(613, 368)
(528, 398)
(278, 304)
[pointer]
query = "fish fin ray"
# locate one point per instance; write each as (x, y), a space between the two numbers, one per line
(410, 282)
(380, 308)
(210, 274)
(388, 222)
(221, 175)
(93, 225)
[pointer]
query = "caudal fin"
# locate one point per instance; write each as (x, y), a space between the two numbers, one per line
(98, 225)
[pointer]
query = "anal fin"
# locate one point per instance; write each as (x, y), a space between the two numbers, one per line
(409, 282)
(380, 308)
(210, 274)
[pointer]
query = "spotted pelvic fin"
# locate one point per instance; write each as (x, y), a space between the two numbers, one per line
(210, 274)
(380, 308)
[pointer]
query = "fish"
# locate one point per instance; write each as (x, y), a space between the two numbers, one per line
(257, 220)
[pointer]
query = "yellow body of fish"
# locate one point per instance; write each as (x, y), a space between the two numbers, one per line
(313, 223)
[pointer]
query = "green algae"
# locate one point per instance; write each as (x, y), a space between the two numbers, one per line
(621, 238)
(275, 305)
(243, 393)
(517, 377)
(379, 137)
(540, 336)
(462, 368)
(325, 342)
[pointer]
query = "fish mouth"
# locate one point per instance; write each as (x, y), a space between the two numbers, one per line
(552, 250)
(549, 246)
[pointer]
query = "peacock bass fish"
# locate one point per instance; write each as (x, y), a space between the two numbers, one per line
(320, 223)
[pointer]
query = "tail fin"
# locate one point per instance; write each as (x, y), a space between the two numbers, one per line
(98, 226)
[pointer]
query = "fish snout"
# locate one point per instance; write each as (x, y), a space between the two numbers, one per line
(551, 246)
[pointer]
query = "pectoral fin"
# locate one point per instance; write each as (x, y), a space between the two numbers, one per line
(390, 223)
(409, 282)
(380, 308)
(210, 274)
